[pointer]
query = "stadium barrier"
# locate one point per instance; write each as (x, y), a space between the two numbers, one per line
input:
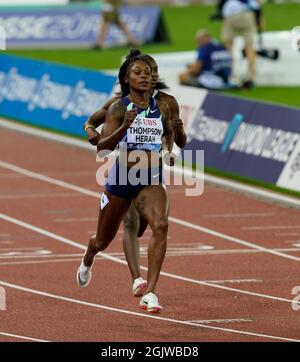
(250, 139)
(61, 27)
(255, 140)
(52, 96)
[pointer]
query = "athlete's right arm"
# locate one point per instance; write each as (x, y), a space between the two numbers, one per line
(95, 120)
(116, 123)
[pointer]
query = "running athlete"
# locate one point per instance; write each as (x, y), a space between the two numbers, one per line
(141, 126)
(134, 224)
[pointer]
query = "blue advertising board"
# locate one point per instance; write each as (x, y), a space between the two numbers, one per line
(49, 95)
(244, 137)
(78, 26)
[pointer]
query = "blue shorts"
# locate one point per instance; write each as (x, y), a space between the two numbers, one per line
(126, 182)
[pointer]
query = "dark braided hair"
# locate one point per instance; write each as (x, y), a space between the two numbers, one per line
(134, 55)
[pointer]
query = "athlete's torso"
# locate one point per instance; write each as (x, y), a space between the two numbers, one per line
(145, 132)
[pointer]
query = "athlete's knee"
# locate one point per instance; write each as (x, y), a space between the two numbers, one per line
(160, 226)
(131, 222)
(100, 243)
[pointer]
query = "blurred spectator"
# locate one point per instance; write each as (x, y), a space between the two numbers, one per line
(212, 68)
(111, 15)
(239, 19)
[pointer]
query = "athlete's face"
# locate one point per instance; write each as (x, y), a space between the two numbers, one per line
(140, 76)
(154, 68)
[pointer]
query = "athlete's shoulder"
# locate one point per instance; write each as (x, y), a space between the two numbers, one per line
(168, 98)
(165, 96)
(117, 108)
(163, 106)
(110, 102)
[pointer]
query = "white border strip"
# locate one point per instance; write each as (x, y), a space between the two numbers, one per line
(124, 311)
(22, 337)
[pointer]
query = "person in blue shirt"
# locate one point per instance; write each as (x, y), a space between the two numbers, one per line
(212, 68)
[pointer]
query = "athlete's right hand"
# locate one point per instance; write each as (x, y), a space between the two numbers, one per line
(93, 136)
(129, 117)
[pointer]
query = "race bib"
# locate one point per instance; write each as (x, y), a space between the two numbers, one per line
(146, 133)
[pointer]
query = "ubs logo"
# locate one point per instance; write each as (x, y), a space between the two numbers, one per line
(138, 121)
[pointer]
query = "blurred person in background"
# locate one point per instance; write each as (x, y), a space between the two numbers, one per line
(111, 15)
(212, 69)
(239, 19)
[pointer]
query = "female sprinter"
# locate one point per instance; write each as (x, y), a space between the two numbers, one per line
(134, 224)
(126, 118)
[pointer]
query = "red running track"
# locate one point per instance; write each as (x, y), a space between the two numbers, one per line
(218, 284)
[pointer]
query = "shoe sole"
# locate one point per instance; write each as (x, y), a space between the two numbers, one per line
(140, 290)
(154, 310)
(80, 284)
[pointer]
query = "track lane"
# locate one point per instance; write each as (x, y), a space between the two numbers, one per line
(175, 198)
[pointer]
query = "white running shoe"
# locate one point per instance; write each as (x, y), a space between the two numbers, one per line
(84, 275)
(150, 303)
(139, 287)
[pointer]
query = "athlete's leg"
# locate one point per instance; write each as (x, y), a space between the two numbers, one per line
(143, 226)
(110, 217)
(152, 204)
(102, 33)
(131, 244)
(251, 57)
(130, 39)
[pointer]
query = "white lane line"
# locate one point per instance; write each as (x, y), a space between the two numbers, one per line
(240, 215)
(234, 281)
(271, 227)
(144, 254)
(173, 219)
(287, 234)
(39, 196)
(123, 262)
(48, 179)
(77, 219)
(39, 261)
(232, 320)
(39, 249)
(22, 337)
(235, 185)
(232, 239)
(142, 315)
(40, 256)
(228, 251)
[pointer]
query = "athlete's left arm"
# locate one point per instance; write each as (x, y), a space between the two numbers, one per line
(177, 124)
(168, 135)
